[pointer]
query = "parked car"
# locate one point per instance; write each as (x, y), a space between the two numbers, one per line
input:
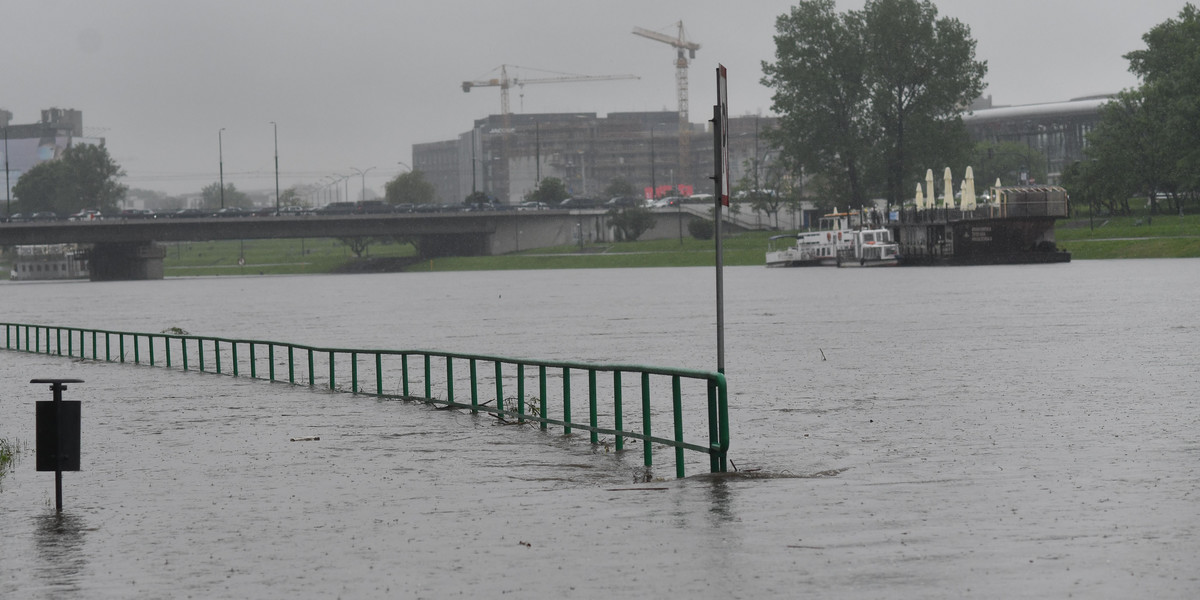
(372, 207)
(623, 201)
(336, 208)
(87, 214)
(581, 202)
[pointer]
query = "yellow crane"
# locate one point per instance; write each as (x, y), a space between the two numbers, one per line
(504, 82)
(684, 51)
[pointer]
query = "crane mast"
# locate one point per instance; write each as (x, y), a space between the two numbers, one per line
(684, 51)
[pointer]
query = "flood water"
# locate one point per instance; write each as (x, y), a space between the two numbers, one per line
(981, 432)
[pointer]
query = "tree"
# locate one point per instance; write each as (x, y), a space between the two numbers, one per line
(410, 188)
(821, 96)
(867, 96)
(289, 197)
(1010, 162)
(631, 222)
(85, 176)
(212, 198)
(477, 198)
(1169, 68)
(549, 190)
(620, 187)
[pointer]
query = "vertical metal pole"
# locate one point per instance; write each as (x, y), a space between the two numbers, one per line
(647, 451)
(567, 400)
(718, 179)
(617, 418)
(592, 404)
(499, 389)
(542, 392)
(677, 406)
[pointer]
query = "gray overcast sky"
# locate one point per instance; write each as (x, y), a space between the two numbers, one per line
(356, 83)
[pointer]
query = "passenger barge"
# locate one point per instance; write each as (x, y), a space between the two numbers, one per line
(1015, 227)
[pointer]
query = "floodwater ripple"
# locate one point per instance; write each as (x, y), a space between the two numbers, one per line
(989, 432)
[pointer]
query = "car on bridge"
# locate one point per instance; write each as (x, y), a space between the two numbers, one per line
(336, 208)
(188, 213)
(87, 214)
(46, 215)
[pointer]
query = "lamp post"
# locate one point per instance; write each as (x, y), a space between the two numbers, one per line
(364, 180)
(221, 161)
(7, 187)
(276, 128)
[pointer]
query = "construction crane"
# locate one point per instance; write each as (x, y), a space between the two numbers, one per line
(682, 46)
(504, 83)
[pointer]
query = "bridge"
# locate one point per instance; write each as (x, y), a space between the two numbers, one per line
(129, 249)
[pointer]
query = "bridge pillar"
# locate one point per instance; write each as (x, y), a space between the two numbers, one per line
(117, 261)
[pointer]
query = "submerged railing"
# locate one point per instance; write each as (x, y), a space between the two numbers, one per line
(438, 378)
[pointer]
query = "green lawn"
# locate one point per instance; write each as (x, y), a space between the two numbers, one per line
(1139, 236)
(282, 256)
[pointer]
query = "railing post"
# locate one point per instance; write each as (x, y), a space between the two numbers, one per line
(428, 383)
(137, 355)
(312, 374)
(271, 361)
(200, 352)
(617, 417)
(474, 389)
(183, 351)
(233, 355)
(404, 375)
(58, 341)
(566, 400)
(253, 363)
(542, 394)
(677, 407)
(167, 349)
(291, 364)
(592, 405)
(354, 372)
(217, 354)
(332, 376)
(151, 340)
(70, 343)
(647, 457)
(378, 374)
(107, 348)
(520, 392)
(499, 389)
(449, 379)
(121, 345)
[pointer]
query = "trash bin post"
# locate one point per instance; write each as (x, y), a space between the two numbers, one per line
(58, 428)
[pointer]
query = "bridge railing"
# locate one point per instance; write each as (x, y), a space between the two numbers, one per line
(627, 402)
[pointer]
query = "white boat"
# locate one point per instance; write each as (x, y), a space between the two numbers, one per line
(870, 248)
(813, 248)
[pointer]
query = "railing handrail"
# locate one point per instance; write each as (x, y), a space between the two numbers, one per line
(717, 446)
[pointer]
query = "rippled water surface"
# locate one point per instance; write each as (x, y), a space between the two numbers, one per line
(990, 432)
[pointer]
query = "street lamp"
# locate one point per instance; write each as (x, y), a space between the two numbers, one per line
(7, 187)
(276, 127)
(221, 159)
(364, 180)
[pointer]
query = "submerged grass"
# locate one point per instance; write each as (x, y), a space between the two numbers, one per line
(8, 453)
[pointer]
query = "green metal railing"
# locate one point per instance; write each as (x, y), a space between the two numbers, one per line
(436, 378)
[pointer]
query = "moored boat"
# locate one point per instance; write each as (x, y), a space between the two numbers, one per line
(870, 248)
(813, 248)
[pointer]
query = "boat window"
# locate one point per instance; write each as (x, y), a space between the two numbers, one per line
(868, 237)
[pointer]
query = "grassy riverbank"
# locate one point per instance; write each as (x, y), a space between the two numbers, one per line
(1139, 236)
(1163, 236)
(1116, 237)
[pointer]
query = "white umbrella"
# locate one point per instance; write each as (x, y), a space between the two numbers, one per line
(968, 190)
(931, 199)
(920, 201)
(949, 188)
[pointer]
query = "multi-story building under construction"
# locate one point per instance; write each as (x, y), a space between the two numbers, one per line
(587, 153)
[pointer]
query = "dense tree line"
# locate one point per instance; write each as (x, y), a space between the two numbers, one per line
(869, 99)
(1147, 144)
(85, 176)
